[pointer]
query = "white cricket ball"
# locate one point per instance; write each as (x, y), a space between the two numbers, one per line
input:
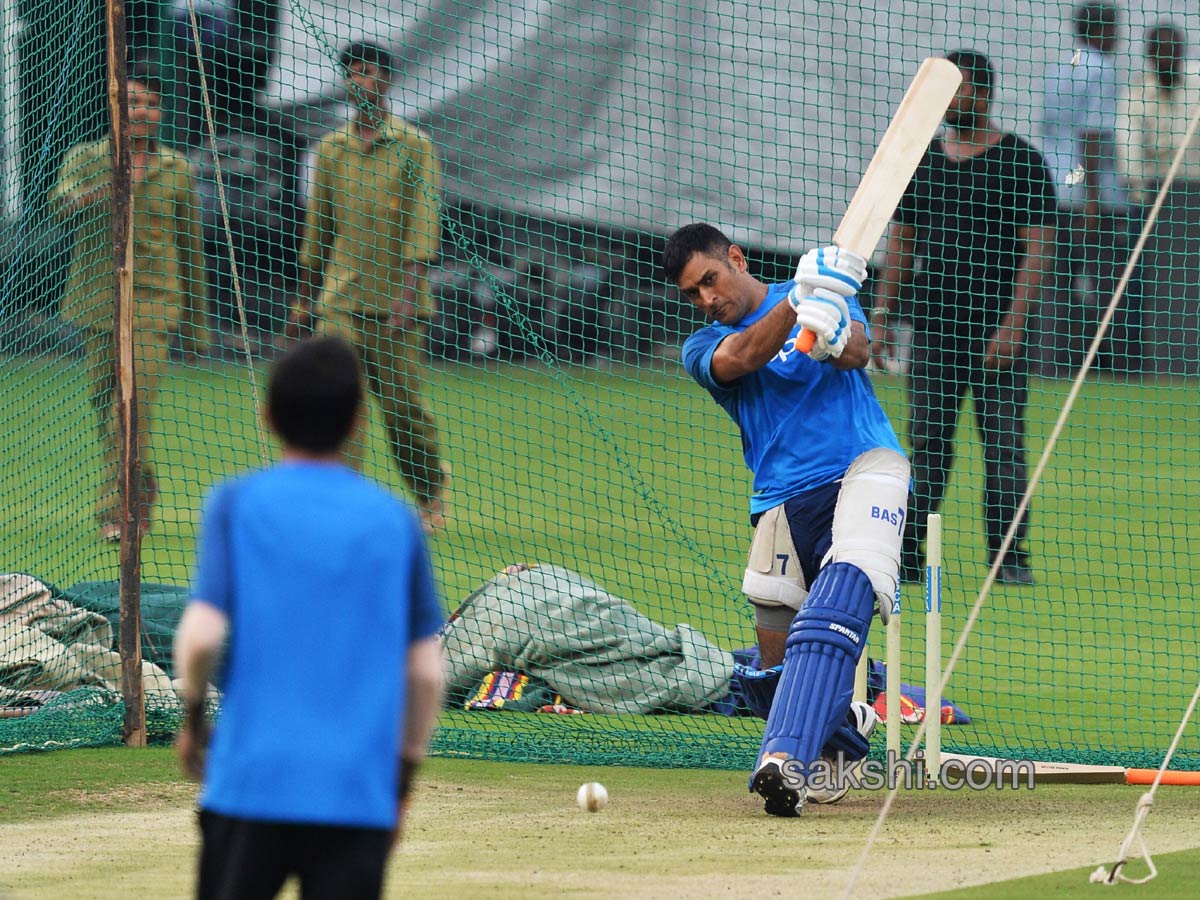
(592, 797)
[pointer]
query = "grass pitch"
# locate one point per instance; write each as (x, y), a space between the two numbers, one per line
(119, 823)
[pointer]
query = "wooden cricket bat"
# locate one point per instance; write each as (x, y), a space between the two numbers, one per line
(1048, 772)
(895, 160)
(1073, 773)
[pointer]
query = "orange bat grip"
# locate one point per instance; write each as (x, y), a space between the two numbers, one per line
(1170, 777)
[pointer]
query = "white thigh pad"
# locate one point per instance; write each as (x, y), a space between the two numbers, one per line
(869, 521)
(773, 576)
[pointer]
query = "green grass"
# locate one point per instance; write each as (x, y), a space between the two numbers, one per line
(116, 823)
(1179, 873)
(38, 786)
(635, 478)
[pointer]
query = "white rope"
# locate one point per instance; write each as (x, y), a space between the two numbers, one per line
(233, 266)
(1035, 478)
(1100, 876)
(1142, 811)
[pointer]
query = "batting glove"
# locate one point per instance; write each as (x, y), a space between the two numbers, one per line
(826, 314)
(757, 687)
(832, 268)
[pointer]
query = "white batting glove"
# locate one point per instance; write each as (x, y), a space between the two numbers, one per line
(827, 315)
(824, 278)
(822, 349)
(832, 268)
(829, 269)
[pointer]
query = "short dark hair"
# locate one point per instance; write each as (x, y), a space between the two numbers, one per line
(1094, 15)
(977, 68)
(314, 393)
(366, 52)
(145, 71)
(1165, 32)
(698, 237)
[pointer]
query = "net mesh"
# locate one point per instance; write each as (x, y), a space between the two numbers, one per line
(538, 156)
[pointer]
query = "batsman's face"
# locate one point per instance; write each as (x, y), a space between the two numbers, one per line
(719, 285)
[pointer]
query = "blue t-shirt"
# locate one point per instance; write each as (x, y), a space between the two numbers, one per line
(326, 582)
(802, 422)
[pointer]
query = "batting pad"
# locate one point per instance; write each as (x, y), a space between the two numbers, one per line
(822, 650)
(770, 551)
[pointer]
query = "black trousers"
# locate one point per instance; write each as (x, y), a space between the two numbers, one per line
(1078, 288)
(940, 375)
(243, 859)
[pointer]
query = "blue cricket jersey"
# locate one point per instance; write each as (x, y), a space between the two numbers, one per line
(326, 582)
(802, 422)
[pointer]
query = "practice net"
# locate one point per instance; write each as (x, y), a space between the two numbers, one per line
(538, 156)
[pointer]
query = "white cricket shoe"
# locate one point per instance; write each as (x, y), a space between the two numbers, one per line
(865, 722)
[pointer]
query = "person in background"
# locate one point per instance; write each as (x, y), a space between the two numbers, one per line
(1155, 114)
(1079, 140)
(372, 230)
(168, 283)
(977, 223)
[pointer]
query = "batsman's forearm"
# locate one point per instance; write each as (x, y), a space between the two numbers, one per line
(748, 351)
(857, 350)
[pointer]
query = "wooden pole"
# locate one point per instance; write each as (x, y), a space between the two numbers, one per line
(129, 477)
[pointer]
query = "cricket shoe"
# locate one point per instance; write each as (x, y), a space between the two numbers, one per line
(780, 796)
(865, 721)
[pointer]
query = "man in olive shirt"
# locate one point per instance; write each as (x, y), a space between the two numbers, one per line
(168, 274)
(372, 229)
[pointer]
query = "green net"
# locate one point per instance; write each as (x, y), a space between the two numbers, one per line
(533, 159)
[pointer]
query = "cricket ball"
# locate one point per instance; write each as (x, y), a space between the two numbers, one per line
(592, 797)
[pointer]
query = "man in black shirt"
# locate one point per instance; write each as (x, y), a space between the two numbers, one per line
(978, 217)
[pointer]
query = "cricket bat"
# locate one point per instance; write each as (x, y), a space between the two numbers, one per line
(895, 160)
(1074, 773)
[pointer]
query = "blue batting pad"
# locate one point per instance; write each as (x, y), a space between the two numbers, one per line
(823, 646)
